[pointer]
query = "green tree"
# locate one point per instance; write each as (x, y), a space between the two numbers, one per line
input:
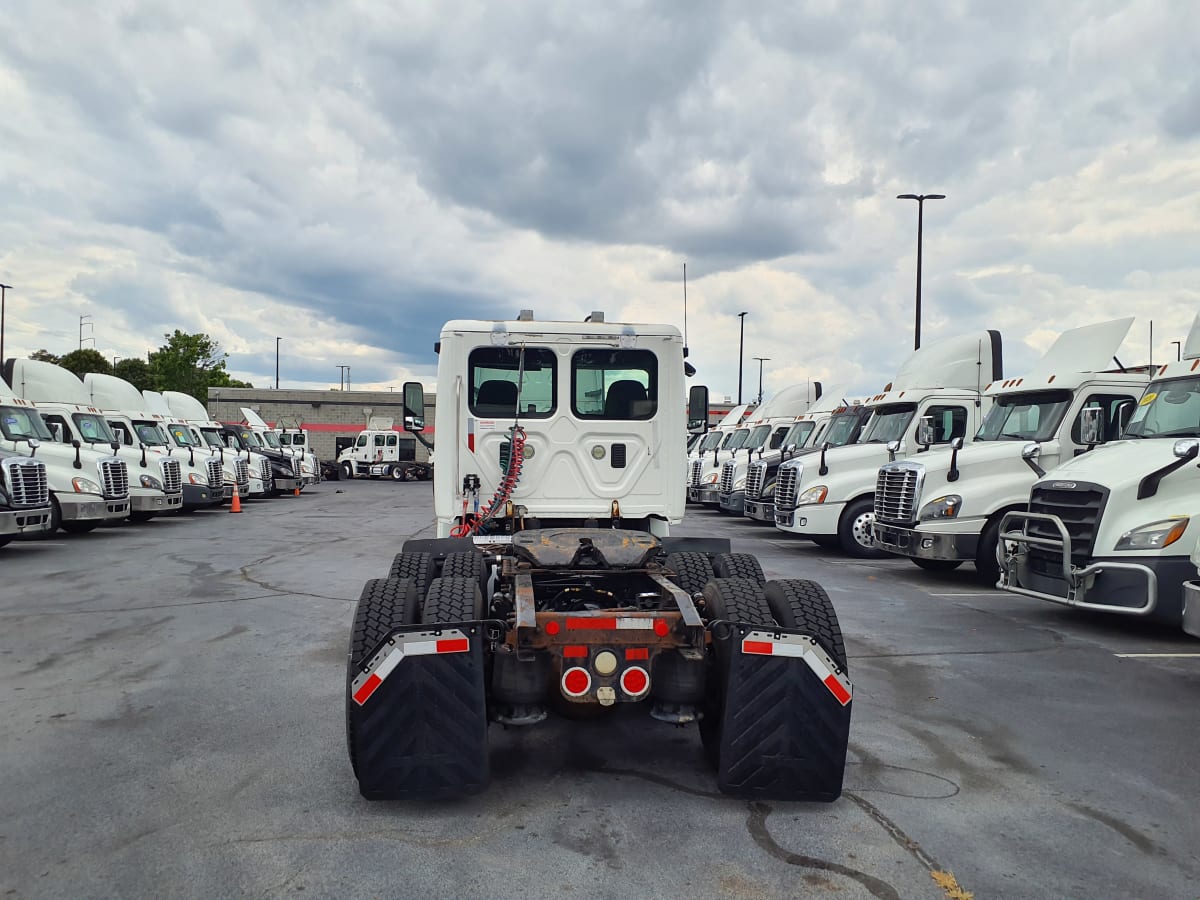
(191, 363)
(83, 361)
(137, 372)
(44, 356)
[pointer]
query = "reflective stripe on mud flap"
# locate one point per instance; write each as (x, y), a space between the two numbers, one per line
(763, 643)
(424, 643)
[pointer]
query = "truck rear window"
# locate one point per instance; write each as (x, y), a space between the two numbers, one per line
(500, 380)
(614, 384)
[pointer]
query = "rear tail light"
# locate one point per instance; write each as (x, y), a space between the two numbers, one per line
(576, 682)
(635, 681)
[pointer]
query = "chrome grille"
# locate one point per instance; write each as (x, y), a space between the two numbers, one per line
(114, 478)
(264, 471)
(897, 492)
(215, 477)
(295, 467)
(697, 468)
(785, 487)
(172, 476)
(27, 483)
(755, 479)
(725, 485)
(241, 472)
(1079, 508)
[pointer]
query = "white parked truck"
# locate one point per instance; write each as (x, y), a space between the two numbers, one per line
(943, 508)
(24, 495)
(704, 463)
(937, 396)
(188, 425)
(88, 487)
(559, 446)
(380, 451)
(306, 469)
(144, 435)
(834, 426)
(1110, 530)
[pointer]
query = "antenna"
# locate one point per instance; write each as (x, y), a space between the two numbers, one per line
(685, 343)
(1152, 343)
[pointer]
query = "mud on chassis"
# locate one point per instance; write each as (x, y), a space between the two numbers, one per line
(461, 634)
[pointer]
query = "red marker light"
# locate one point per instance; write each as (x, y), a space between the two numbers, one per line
(661, 627)
(552, 627)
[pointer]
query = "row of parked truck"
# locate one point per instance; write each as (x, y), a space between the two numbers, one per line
(76, 454)
(1074, 483)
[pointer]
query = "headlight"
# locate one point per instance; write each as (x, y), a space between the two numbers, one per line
(1154, 535)
(85, 486)
(739, 484)
(815, 494)
(194, 478)
(942, 508)
(149, 481)
(711, 479)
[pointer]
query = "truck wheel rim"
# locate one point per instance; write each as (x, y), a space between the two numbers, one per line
(862, 530)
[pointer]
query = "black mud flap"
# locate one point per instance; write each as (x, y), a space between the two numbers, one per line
(785, 719)
(417, 714)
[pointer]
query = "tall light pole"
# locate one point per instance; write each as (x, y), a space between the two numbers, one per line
(4, 289)
(343, 378)
(741, 347)
(761, 360)
(89, 324)
(115, 358)
(920, 198)
(1178, 350)
(277, 340)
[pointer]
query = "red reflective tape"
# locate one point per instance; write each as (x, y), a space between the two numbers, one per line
(471, 441)
(453, 645)
(765, 648)
(835, 688)
(637, 653)
(363, 693)
(603, 623)
(574, 651)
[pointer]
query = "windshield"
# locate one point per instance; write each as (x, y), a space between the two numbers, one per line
(271, 438)
(842, 429)
(889, 423)
(149, 434)
(94, 429)
(736, 440)
(1025, 417)
(182, 435)
(250, 439)
(1169, 408)
(711, 440)
(758, 437)
(212, 437)
(17, 422)
(798, 434)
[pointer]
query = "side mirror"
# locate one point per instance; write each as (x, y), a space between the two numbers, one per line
(925, 435)
(75, 443)
(893, 447)
(956, 443)
(1091, 426)
(1186, 449)
(414, 406)
(698, 409)
(1030, 453)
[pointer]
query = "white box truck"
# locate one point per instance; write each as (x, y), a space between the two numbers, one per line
(829, 498)
(944, 507)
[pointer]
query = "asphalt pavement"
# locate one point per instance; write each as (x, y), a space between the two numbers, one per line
(172, 703)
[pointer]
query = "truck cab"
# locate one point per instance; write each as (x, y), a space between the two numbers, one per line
(293, 437)
(24, 496)
(834, 426)
(704, 463)
(1110, 530)
(943, 508)
(937, 396)
(189, 427)
(305, 470)
(278, 471)
(380, 451)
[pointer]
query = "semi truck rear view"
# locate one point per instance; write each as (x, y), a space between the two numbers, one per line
(555, 585)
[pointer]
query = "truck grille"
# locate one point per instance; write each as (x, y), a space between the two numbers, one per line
(754, 480)
(785, 487)
(215, 478)
(114, 478)
(897, 492)
(697, 468)
(172, 476)
(1078, 508)
(27, 483)
(725, 486)
(264, 472)
(241, 472)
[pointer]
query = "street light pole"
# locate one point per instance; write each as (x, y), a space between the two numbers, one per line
(741, 348)
(343, 378)
(1178, 350)
(920, 198)
(89, 324)
(277, 340)
(4, 289)
(761, 360)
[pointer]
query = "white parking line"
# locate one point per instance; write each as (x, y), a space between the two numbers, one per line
(1158, 655)
(969, 594)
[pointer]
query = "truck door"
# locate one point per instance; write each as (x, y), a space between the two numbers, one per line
(949, 422)
(1117, 410)
(391, 453)
(59, 427)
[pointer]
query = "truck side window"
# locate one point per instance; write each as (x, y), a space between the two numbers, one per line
(379, 440)
(58, 427)
(949, 422)
(614, 384)
(391, 439)
(777, 438)
(362, 441)
(1117, 409)
(497, 374)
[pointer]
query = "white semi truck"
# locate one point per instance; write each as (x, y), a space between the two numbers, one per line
(1110, 530)
(564, 590)
(380, 451)
(24, 495)
(66, 407)
(943, 508)
(937, 396)
(704, 463)
(307, 469)
(88, 487)
(837, 425)
(190, 426)
(144, 434)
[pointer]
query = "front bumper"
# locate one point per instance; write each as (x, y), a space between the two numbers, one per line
(286, 484)
(914, 542)
(693, 494)
(760, 510)
(734, 503)
(814, 518)
(709, 495)
(91, 508)
(145, 500)
(24, 521)
(198, 495)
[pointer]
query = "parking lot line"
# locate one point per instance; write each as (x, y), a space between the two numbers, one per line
(1158, 655)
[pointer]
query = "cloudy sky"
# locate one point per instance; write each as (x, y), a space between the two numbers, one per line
(349, 175)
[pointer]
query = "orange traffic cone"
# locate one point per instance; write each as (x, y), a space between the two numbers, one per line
(235, 505)
(296, 492)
